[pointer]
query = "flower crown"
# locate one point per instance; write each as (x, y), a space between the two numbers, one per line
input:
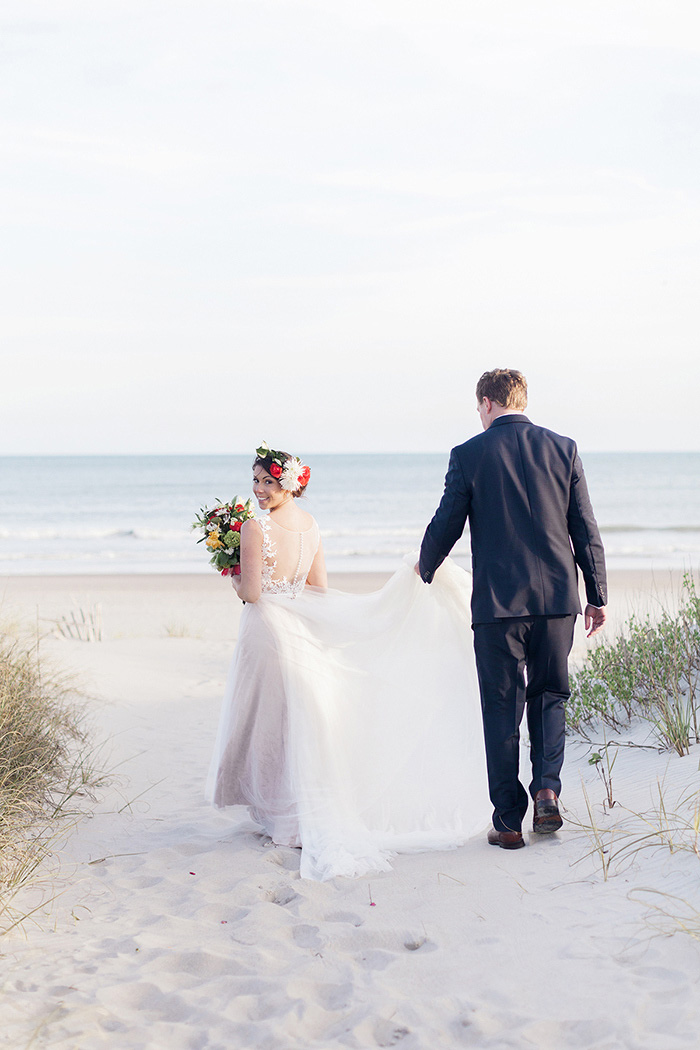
(289, 470)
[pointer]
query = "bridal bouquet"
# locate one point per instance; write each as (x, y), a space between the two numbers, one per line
(221, 533)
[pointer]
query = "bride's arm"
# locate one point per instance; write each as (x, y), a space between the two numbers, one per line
(318, 577)
(249, 584)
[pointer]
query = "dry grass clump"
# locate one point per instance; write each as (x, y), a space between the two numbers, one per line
(672, 827)
(40, 735)
(668, 914)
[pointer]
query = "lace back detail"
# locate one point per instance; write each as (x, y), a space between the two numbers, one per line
(297, 554)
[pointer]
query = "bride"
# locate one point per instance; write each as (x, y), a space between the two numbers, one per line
(351, 724)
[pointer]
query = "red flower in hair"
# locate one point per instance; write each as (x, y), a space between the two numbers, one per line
(304, 477)
(275, 470)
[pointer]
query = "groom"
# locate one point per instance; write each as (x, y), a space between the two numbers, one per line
(531, 523)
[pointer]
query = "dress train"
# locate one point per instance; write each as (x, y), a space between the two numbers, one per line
(351, 723)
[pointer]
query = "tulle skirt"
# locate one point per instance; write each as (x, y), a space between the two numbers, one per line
(351, 724)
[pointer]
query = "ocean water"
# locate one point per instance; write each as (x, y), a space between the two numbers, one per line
(132, 514)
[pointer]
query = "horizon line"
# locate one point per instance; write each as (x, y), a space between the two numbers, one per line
(324, 452)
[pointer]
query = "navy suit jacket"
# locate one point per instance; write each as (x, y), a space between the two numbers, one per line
(524, 492)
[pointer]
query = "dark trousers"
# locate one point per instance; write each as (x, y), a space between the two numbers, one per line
(523, 661)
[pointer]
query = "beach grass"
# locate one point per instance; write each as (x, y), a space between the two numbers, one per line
(179, 629)
(647, 675)
(650, 670)
(44, 769)
(669, 825)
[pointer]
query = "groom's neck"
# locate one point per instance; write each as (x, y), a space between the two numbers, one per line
(498, 410)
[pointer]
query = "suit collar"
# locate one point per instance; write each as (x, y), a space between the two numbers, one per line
(511, 417)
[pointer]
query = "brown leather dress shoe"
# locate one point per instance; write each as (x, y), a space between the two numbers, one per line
(505, 839)
(546, 818)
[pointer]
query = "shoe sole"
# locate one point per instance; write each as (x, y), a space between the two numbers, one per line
(546, 825)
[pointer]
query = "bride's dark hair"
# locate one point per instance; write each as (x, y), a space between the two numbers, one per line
(266, 462)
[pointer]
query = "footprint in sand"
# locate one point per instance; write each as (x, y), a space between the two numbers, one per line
(139, 882)
(283, 895)
(283, 859)
(376, 959)
(345, 916)
(336, 996)
(414, 944)
(307, 936)
(387, 1033)
(142, 1002)
(463, 1030)
(202, 964)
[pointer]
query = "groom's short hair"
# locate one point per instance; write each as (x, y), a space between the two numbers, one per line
(506, 386)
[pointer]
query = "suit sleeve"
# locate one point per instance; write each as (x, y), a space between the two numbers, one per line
(448, 521)
(585, 538)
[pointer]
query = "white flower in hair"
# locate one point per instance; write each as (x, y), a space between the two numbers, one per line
(291, 475)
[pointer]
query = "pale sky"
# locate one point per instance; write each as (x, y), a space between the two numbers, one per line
(317, 222)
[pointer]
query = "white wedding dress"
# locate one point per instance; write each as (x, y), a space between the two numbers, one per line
(351, 724)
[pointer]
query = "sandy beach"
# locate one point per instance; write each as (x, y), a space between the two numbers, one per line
(178, 926)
